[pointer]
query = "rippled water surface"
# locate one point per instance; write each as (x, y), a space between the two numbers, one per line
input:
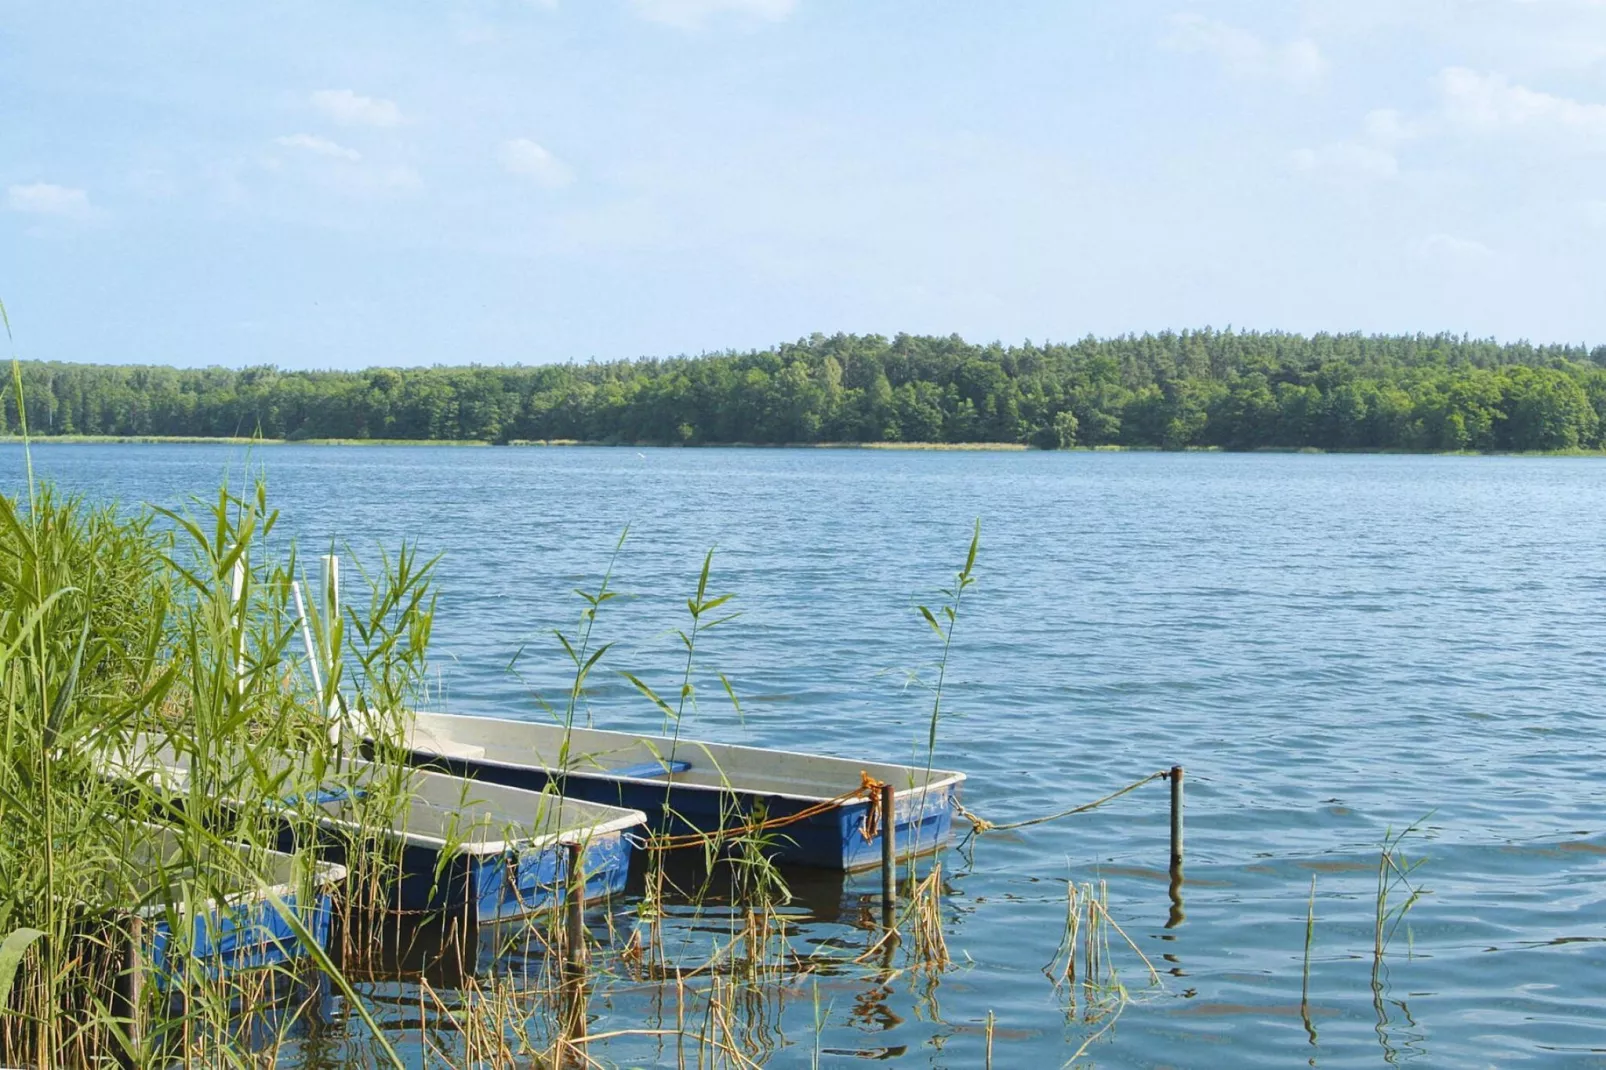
(1332, 646)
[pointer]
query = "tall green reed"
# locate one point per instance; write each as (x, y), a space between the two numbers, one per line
(77, 632)
(944, 629)
(174, 628)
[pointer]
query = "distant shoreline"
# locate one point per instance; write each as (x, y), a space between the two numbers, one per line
(1237, 390)
(207, 440)
(929, 447)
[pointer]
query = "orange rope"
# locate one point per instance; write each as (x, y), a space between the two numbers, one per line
(869, 788)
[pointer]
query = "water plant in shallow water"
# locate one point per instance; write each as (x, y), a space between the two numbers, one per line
(1084, 967)
(948, 611)
(1395, 877)
(1398, 892)
(1304, 973)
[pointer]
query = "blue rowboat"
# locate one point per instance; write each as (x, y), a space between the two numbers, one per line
(486, 852)
(689, 787)
(223, 901)
(481, 851)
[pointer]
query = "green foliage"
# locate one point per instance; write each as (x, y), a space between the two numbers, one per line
(1225, 389)
(115, 629)
(1062, 432)
(949, 613)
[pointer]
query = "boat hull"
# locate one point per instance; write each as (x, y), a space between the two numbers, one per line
(242, 936)
(498, 887)
(832, 839)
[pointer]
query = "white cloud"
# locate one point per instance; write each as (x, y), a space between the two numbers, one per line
(692, 13)
(1359, 161)
(353, 109)
(1449, 249)
(1347, 162)
(1244, 55)
(1385, 126)
(1490, 103)
(320, 146)
(311, 163)
(1521, 35)
(1300, 61)
(44, 198)
(1471, 104)
(525, 158)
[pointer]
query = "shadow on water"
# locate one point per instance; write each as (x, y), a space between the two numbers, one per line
(408, 962)
(816, 895)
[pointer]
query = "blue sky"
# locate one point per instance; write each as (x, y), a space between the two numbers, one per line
(340, 185)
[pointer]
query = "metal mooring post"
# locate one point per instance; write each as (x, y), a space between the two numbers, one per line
(889, 856)
(1176, 818)
(574, 909)
(128, 997)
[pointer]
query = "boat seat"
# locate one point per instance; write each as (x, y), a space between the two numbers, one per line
(423, 740)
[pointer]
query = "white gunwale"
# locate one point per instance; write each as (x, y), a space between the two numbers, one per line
(438, 740)
(442, 811)
(323, 875)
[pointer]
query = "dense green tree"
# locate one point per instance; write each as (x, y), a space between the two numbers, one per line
(1063, 430)
(1174, 390)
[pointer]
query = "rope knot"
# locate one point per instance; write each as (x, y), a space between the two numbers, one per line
(870, 788)
(979, 823)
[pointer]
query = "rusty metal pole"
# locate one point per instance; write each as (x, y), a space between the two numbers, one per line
(889, 856)
(574, 909)
(128, 994)
(1176, 819)
(1177, 914)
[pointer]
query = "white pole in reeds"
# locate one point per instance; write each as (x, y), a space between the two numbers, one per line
(236, 593)
(889, 856)
(306, 639)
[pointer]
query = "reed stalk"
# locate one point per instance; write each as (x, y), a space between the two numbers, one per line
(165, 627)
(1304, 973)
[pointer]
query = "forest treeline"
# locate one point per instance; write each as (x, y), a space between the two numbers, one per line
(1226, 389)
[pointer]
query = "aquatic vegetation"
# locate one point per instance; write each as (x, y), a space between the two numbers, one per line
(110, 634)
(1397, 893)
(1394, 878)
(1304, 972)
(944, 629)
(1084, 968)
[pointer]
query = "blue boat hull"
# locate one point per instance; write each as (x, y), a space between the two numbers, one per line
(248, 936)
(502, 887)
(833, 839)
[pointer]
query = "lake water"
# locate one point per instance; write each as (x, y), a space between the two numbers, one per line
(1333, 647)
